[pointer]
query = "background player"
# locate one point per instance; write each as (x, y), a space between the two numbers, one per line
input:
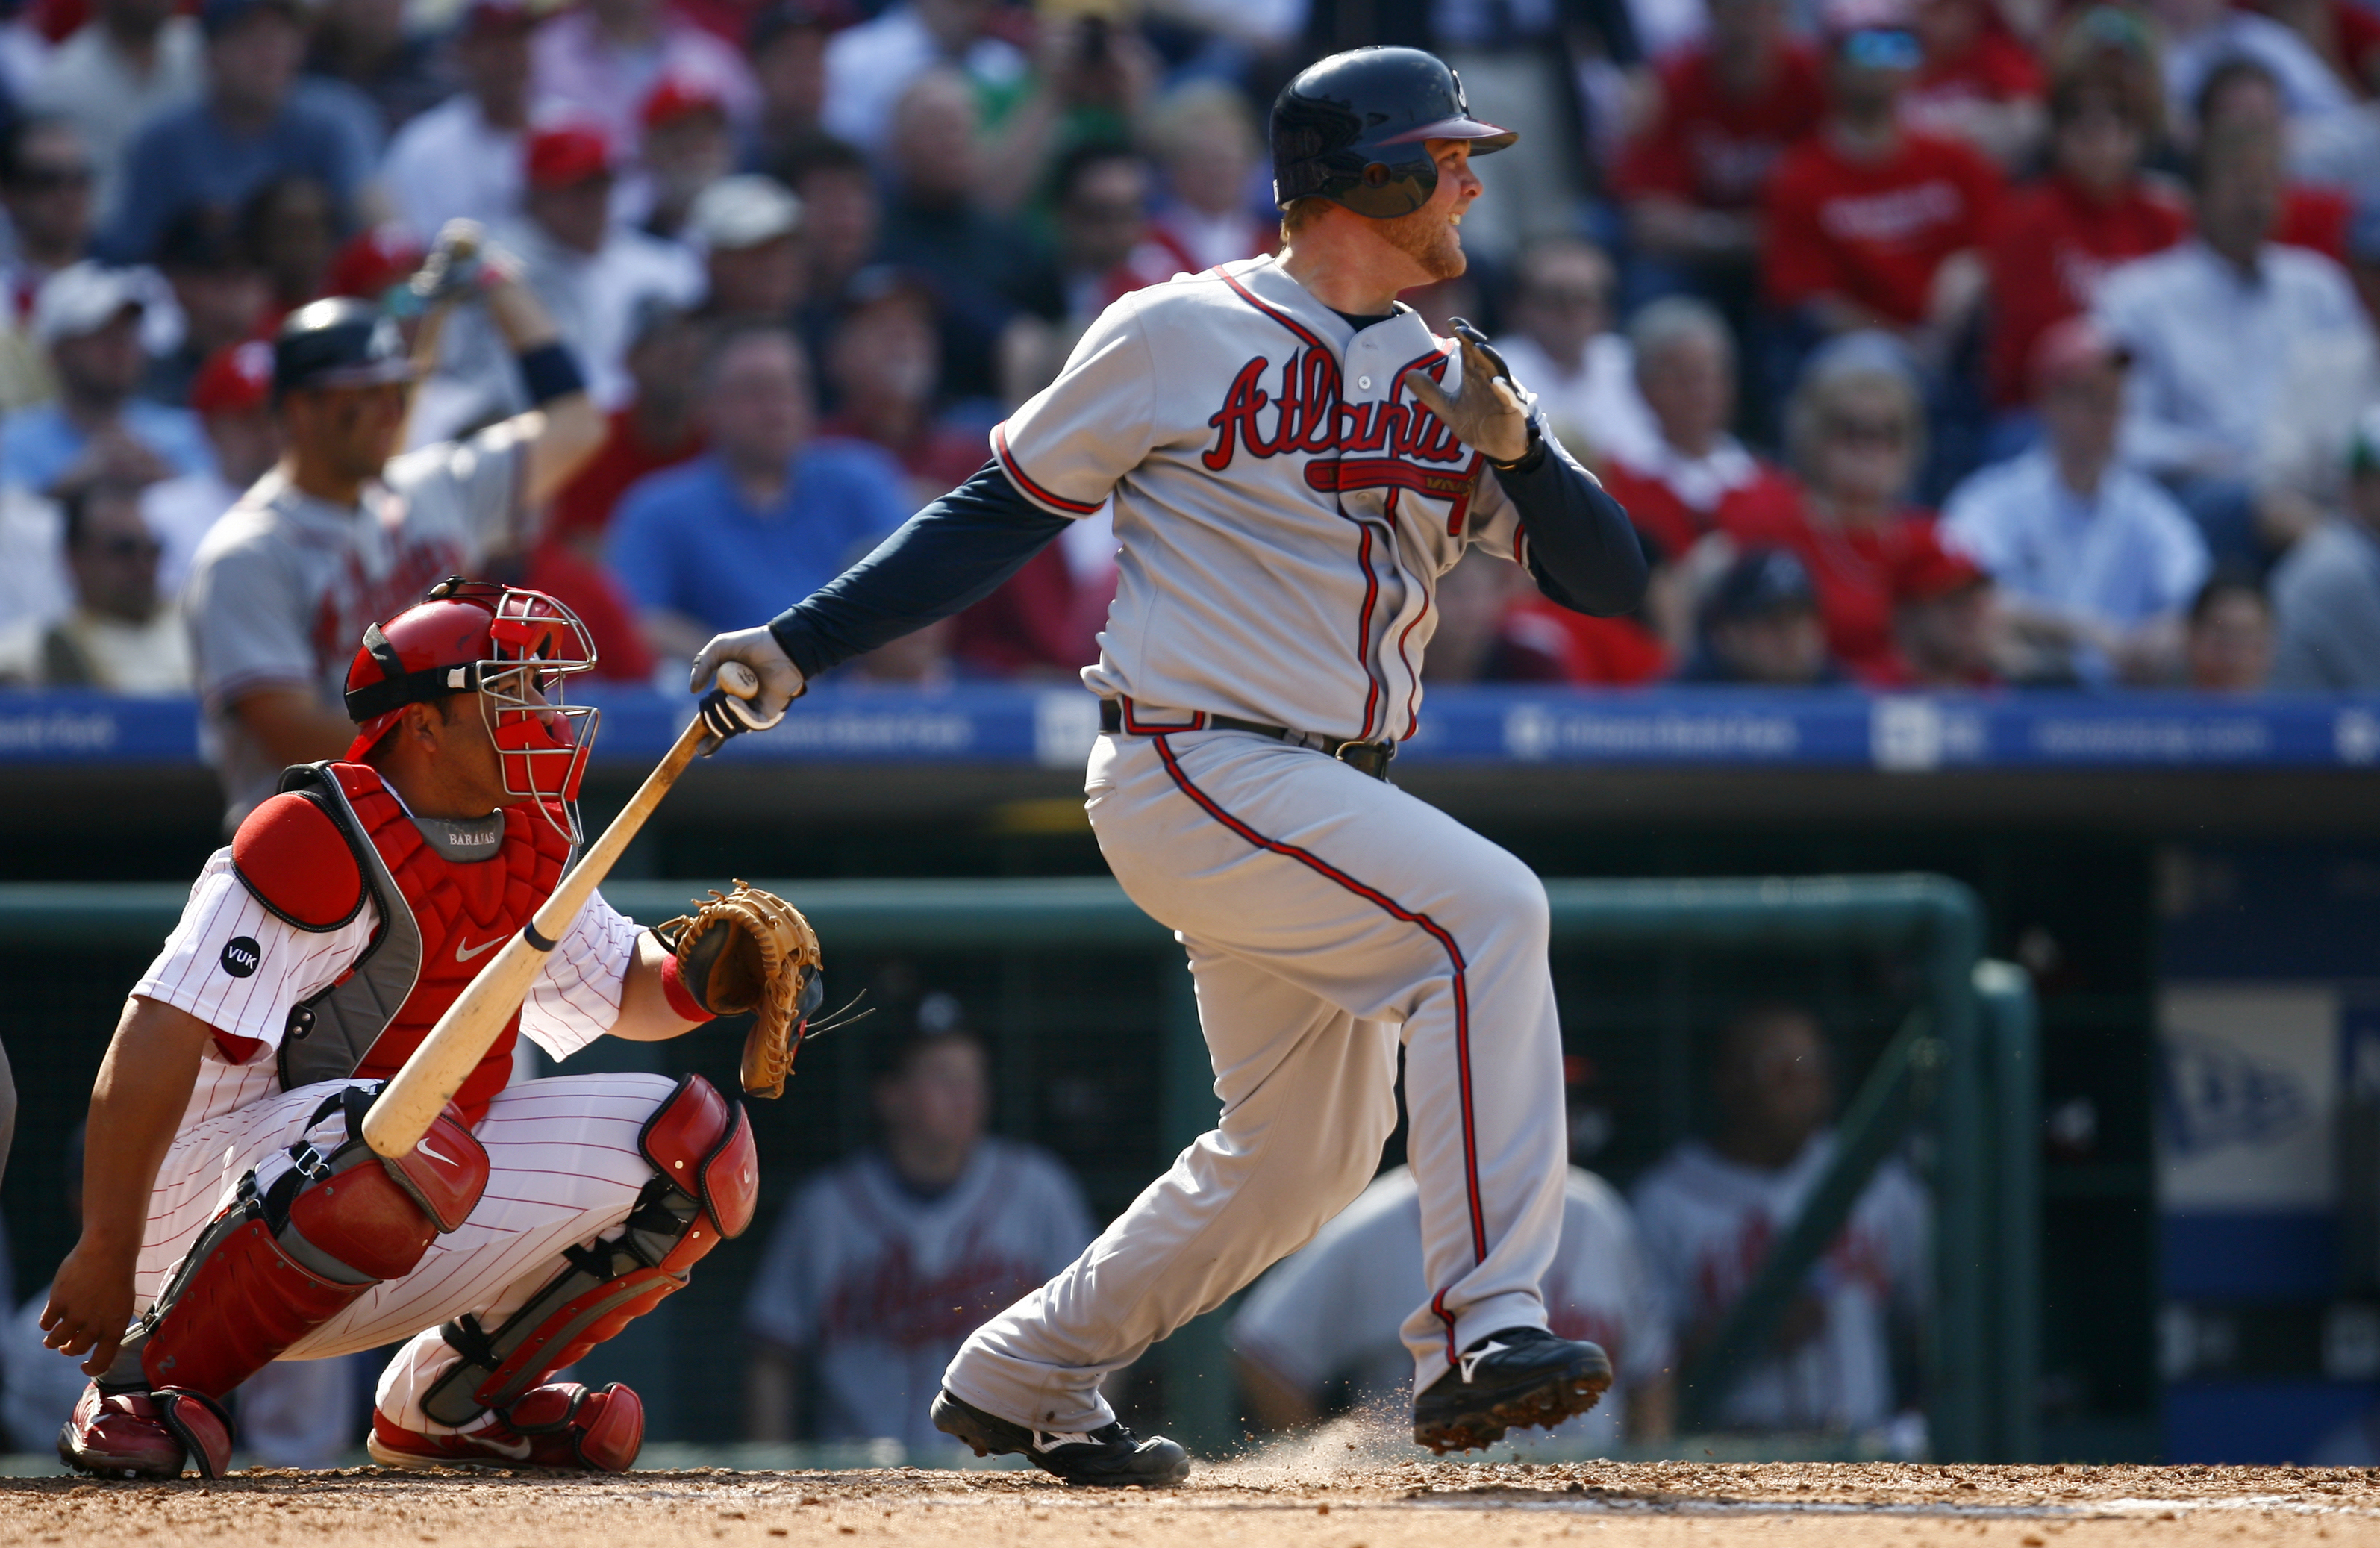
(227, 1187)
(1712, 1210)
(884, 1264)
(1292, 468)
(339, 534)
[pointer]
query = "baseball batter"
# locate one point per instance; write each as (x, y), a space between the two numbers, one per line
(228, 1193)
(1294, 460)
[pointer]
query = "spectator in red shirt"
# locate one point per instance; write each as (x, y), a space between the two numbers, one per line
(1698, 475)
(1856, 430)
(1978, 84)
(657, 429)
(2093, 212)
(1870, 226)
(1946, 623)
(1730, 108)
(688, 145)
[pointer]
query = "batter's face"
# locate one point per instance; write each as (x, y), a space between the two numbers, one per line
(1431, 236)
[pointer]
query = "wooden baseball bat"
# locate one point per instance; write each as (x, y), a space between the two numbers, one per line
(419, 1092)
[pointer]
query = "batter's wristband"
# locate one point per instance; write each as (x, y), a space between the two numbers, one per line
(681, 998)
(549, 371)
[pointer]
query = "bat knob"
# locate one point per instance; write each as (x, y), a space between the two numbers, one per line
(738, 679)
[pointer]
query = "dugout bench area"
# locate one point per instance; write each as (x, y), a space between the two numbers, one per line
(1903, 856)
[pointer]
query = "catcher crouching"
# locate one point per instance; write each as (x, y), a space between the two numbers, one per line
(229, 1199)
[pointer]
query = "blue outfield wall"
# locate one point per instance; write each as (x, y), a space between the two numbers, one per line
(1668, 726)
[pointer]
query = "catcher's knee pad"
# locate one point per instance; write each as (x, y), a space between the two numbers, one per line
(308, 1233)
(705, 1184)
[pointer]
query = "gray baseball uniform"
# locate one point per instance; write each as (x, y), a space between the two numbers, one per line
(283, 586)
(1284, 508)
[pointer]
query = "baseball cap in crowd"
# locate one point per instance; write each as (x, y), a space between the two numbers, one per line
(1928, 572)
(795, 15)
(1759, 584)
(84, 298)
(1879, 34)
(743, 211)
(235, 378)
(2072, 345)
(339, 343)
(373, 261)
(218, 17)
(680, 96)
(562, 154)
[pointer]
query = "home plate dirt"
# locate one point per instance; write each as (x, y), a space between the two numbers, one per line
(1253, 1504)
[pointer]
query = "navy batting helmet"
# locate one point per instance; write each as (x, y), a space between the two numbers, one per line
(1354, 129)
(339, 343)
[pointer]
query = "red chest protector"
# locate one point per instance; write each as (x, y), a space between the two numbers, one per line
(335, 834)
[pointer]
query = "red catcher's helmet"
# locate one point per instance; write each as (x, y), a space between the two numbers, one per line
(514, 647)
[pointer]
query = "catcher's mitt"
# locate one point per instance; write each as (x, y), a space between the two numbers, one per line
(749, 950)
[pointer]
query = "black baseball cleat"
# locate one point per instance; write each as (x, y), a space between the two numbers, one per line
(1109, 1457)
(1519, 1377)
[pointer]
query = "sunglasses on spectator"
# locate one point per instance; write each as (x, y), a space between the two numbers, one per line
(1879, 48)
(1571, 295)
(129, 548)
(1868, 433)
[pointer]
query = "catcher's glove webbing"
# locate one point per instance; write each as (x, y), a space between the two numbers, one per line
(749, 950)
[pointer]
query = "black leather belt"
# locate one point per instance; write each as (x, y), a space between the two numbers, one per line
(1370, 758)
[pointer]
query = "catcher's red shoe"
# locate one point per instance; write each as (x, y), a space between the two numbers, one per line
(559, 1425)
(146, 1434)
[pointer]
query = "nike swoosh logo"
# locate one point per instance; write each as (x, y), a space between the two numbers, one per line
(517, 1450)
(423, 1146)
(1471, 1360)
(462, 956)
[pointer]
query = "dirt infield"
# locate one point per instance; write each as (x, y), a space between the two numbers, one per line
(1248, 1504)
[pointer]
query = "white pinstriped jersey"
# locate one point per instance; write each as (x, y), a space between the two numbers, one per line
(238, 968)
(1284, 507)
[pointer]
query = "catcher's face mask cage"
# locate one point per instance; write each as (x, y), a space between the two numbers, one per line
(515, 650)
(542, 741)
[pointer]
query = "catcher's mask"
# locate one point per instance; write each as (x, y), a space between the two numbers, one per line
(513, 648)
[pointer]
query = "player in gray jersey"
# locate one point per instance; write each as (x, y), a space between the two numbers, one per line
(1293, 461)
(342, 531)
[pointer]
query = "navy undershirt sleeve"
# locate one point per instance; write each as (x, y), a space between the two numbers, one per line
(947, 557)
(1582, 549)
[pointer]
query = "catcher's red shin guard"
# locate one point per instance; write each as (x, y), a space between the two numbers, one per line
(706, 1177)
(285, 1257)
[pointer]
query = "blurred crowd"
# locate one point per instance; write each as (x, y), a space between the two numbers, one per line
(1931, 342)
